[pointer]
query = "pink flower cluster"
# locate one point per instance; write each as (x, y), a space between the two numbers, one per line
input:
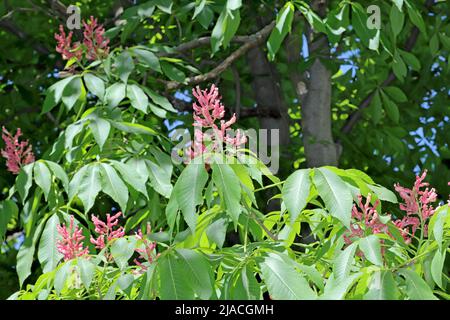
(417, 206)
(95, 43)
(94, 39)
(106, 230)
(17, 154)
(366, 218)
(71, 244)
(207, 112)
(147, 253)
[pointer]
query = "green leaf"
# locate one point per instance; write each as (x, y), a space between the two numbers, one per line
(217, 231)
(376, 108)
(59, 172)
(159, 179)
(396, 93)
(122, 249)
(359, 23)
(224, 177)
(138, 98)
(397, 18)
(54, 94)
(48, 254)
(343, 261)
(416, 19)
(399, 67)
(336, 289)
(131, 176)
(89, 186)
(43, 177)
(437, 265)
(26, 253)
(95, 85)
(159, 100)
(134, 128)
(335, 193)
(391, 108)
(74, 184)
(282, 281)
(295, 192)
(148, 58)
(434, 45)
(383, 194)
(114, 94)
(125, 65)
(233, 19)
(282, 28)
(72, 92)
(187, 191)
(371, 248)
(24, 181)
(382, 287)
(234, 4)
(245, 287)
(205, 17)
(416, 287)
(100, 129)
(199, 269)
(172, 72)
(87, 271)
(61, 275)
(411, 60)
(112, 185)
(174, 282)
(8, 210)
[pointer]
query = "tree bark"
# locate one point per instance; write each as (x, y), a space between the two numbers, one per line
(314, 94)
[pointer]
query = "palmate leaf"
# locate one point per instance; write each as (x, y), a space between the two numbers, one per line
(224, 177)
(199, 269)
(295, 192)
(382, 287)
(89, 186)
(112, 185)
(188, 190)
(335, 193)
(174, 282)
(416, 287)
(343, 261)
(48, 254)
(371, 248)
(283, 281)
(8, 210)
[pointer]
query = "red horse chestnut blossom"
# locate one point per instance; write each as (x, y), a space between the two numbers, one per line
(417, 207)
(65, 46)
(94, 40)
(147, 252)
(106, 230)
(207, 112)
(71, 245)
(367, 216)
(17, 154)
(94, 45)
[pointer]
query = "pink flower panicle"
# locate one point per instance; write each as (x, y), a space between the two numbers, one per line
(65, 46)
(207, 112)
(71, 245)
(94, 40)
(365, 216)
(417, 205)
(106, 230)
(147, 252)
(16, 154)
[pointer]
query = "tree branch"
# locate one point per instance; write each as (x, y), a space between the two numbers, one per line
(253, 41)
(355, 116)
